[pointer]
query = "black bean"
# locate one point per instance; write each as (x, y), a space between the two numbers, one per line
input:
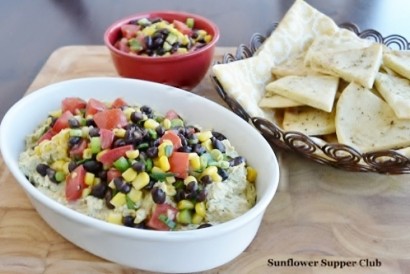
(158, 195)
(204, 226)
(119, 142)
(218, 135)
(201, 196)
(187, 149)
(92, 166)
(218, 145)
(191, 187)
(223, 173)
(205, 180)
(72, 165)
(121, 185)
(51, 173)
(42, 169)
(157, 42)
(180, 195)
(90, 122)
(108, 196)
(136, 117)
(128, 221)
(102, 174)
(138, 166)
(148, 41)
(150, 184)
(237, 161)
(94, 132)
(199, 149)
(146, 109)
(74, 140)
(99, 190)
(73, 123)
(152, 152)
(184, 141)
(160, 130)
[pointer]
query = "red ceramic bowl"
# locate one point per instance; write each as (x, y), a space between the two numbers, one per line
(182, 70)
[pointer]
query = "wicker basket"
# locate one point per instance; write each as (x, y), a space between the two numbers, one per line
(332, 154)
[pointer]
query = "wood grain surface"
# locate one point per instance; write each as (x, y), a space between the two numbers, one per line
(322, 220)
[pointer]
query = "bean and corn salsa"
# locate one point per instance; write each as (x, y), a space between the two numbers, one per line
(159, 37)
(146, 170)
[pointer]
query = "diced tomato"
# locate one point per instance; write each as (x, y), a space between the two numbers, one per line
(62, 121)
(94, 106)
(171, 114)
(73, 104)
(122, 45)
(113, 173)
(110, 119)
(182, 27)
(109, 156)
(77, 150)
(75, 183)
(169, 214)
(129, 30)
(173, 137)
(179, 162)
(119, 102)
(46, 136)
(106, 137)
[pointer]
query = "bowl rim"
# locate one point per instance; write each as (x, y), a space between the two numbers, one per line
(168, 236)
(160, 59)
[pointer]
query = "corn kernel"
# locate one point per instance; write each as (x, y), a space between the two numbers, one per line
(86, 192)
(89, 178)
(132, 154)
(151, 124)
(194, 161)
(170, 179)
(208, 38)
(251, 174)
(204, 135)
(165, 148)
(210, 170)
(118, 200)
(216, 154)
(129, 174)
(200, 209)
(87, 153)
(163, 163)
(166, 123)
(58, 165)
(185, 204)
(184, 217)
(207, 145)
(127, 112)
(189, 179)
(56, 113)
(197, 219)
(141, 180)
(135, 195)
(119, 132)
(114, 218)
(215, 177)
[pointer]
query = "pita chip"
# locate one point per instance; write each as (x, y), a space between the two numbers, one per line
(369, 126)
(398, 61)
(357, 65)
(396, 92)
(317, 91)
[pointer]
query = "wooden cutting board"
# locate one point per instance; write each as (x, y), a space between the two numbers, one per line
(321, 220)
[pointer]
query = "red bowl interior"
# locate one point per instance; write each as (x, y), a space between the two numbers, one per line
(182, 70)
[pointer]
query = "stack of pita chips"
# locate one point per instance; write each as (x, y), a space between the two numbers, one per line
(325, 82)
